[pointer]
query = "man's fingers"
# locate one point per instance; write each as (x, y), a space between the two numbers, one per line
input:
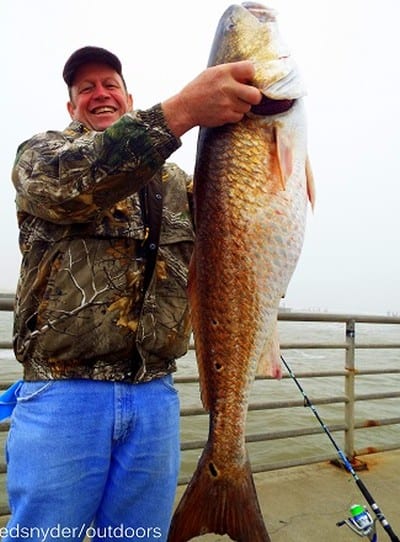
(218, 95)
(243, 72)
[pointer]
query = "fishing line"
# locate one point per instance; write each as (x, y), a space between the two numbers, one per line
(371, 501)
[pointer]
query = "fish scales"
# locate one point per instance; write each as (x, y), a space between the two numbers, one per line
(250, 210)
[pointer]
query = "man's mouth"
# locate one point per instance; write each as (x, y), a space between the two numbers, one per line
(103, 109)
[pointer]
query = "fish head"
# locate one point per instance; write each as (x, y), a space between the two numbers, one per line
(250, 32)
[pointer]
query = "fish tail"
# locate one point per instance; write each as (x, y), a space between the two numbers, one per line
(216, 503)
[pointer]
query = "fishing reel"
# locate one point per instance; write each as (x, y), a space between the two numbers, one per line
(360, 522)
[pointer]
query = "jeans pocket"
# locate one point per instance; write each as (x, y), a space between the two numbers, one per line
(168, 382)
(31, 390)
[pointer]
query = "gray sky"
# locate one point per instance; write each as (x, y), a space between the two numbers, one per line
(348, 52)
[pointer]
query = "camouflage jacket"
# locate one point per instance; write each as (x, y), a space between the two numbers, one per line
(106, 235)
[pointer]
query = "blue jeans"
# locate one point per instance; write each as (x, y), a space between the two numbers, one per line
(97, 459)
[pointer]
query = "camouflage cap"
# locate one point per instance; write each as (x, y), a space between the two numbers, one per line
(86, 55)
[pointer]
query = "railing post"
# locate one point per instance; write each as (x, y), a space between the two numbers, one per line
(349, 388)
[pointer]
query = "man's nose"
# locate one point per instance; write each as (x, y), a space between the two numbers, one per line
(100, 92)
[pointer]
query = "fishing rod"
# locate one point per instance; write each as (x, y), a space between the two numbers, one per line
(371, 501)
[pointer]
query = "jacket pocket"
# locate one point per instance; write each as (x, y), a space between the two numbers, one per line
(88, 309)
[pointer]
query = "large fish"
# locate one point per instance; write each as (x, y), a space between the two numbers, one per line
(251, 183)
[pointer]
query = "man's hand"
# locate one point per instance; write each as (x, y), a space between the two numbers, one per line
(219, 95)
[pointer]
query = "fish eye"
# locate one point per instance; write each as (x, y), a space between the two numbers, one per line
(230, 24)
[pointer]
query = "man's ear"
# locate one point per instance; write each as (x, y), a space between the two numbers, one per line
(71, 109)
(130, 102)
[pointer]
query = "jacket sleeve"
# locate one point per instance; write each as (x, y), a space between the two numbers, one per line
(67, 179)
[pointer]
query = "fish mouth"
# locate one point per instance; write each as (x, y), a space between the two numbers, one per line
(261, 12)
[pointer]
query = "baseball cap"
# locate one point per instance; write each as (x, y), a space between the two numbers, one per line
(86, 55)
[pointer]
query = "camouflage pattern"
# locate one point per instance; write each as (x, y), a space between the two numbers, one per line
(85, 201)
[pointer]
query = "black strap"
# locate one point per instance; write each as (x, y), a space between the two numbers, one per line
(151, 202)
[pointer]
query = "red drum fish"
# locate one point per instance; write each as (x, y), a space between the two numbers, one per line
(251, 184)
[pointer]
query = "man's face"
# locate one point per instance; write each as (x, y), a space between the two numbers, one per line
(98, 96)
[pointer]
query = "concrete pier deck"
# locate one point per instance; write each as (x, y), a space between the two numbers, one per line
(303, 504)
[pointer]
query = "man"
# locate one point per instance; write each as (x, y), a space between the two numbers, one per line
(101, 310)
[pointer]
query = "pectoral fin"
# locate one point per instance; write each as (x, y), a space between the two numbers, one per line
(269, 363)
(282, 160)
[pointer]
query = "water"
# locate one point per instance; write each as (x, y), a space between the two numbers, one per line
(282, 419)
(195, 427)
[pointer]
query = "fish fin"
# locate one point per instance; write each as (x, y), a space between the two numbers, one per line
(194, 313)
(204, 394)
(310, 183)
(269, 363)
(216, 503)
(284, 158)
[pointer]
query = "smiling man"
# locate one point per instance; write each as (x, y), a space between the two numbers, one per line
(101, 312)
(98, 94)
(98, 97)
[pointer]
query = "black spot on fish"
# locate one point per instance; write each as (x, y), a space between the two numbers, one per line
(213, 470)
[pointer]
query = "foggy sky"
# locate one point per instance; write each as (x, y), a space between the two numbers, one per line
(347, 51)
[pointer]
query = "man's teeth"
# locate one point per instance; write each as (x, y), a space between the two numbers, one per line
(103, 110)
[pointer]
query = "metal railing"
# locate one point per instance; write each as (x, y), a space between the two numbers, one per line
(349, 398)
(349, 372)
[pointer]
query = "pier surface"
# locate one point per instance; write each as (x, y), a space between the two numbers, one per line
(303, 504)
